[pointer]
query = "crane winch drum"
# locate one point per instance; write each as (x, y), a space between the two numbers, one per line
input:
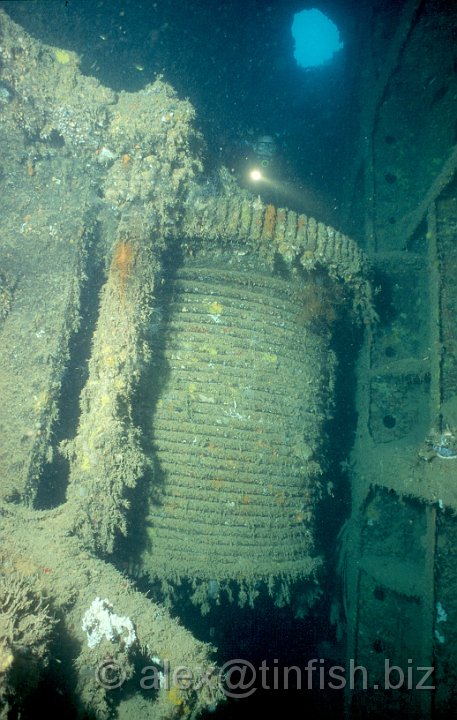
(241, 390)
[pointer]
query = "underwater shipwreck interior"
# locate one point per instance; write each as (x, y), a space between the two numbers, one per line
(228, 447)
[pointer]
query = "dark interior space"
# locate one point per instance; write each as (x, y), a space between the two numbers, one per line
(235, 63)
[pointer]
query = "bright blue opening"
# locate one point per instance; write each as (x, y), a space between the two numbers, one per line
(316, 38)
